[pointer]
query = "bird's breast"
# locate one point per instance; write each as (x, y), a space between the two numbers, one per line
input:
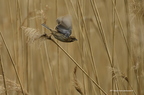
(60, 36)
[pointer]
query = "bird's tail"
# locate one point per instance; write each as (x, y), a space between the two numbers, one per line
(44, 25)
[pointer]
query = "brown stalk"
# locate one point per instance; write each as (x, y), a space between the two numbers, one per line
(13, 63)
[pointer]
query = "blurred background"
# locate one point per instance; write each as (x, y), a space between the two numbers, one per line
(109, 48)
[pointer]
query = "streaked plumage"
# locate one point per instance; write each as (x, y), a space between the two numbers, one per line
(63, 29)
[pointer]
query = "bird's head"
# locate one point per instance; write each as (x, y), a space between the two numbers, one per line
(72, 39)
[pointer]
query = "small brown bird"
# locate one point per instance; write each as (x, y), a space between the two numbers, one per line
(63, 29)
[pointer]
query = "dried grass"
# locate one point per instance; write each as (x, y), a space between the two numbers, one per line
(11, 86)
(109, 32)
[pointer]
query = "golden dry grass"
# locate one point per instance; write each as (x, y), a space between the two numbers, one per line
(107, 59)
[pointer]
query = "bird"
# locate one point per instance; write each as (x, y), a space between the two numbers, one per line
(63, 29)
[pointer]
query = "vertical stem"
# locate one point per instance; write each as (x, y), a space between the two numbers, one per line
(3, 73)
(113, 43)
(27, 53)
(13, 63)
(79, 67)
(128, 38)
(58, 55)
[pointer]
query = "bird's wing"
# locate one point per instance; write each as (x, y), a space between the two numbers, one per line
(61, 29)
(64, 25)
(44, 25)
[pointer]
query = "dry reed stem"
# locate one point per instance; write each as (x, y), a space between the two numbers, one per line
(50, 67)
(121, 19)
(122, 31)
(58, 54)
(47, 37)
(100, 27)
(76, 82)
(137, 46)
(11, 86)
(118, 73)
(3, 74)
(88, 41)
(113, 43)
(44, 73)
(125, 39)
(79, 67)
(101, 30)
(4, 81)
(127, 80)
(128, 36)
(83, 36)
(13, 63)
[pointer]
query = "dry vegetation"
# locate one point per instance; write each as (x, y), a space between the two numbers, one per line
(107, 59)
